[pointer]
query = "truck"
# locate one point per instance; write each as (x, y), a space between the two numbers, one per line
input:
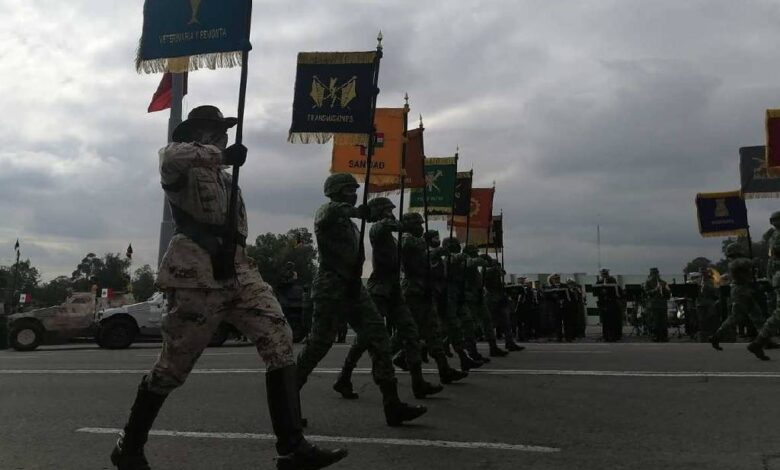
(120, 327)
(75, 318)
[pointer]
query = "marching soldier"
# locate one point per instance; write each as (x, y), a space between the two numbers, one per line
(421, 292)
(385, 288)
(771, 325)
(657, 294)
(498, 302)
(474, 296)
(339, 296)
(205, 287)
(574, 315)
(457, 307)
(609, 295)
(742, 302)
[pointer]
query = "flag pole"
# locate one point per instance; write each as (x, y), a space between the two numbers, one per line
(490, 225)
(455, 186)
(370, 150)
(232, 220)
(402, 177)
(14, 298)
(425, 210)
(468, 212)
(166, 226)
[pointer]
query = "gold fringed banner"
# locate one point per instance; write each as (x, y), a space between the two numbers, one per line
(214, 61)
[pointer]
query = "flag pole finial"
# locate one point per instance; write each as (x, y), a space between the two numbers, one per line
(421, 122)
(379, 38)
(406, 102)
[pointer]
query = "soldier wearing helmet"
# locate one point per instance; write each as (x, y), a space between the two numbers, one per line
(771, 325)
(459, 320)
(421, 288)
(474, 296)
(385, 288)
(742, 304)
(498, 303)
(340, 297)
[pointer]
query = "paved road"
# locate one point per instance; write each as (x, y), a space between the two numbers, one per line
(554, 406)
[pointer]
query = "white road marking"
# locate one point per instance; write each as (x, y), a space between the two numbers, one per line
(342, 439)
(549, 372)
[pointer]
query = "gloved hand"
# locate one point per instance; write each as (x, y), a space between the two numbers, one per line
(234, 155)
(361, 212)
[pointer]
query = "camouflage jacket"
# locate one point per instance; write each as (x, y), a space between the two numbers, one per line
(494, 279)
(413, 254)
(338, 240)
(384, 250)
(194, 183)
(773, 264)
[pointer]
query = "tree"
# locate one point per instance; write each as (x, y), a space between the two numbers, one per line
(271, 252)
(696, 264)
(26, 280)
(143, 283)
(111, 272)
(53, 292)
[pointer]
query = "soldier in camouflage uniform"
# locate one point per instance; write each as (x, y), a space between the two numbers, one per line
(498, 303)
(384, 285)
(420, 292)
(339, 296)
(460, 323)
(705, 305)
(204, 288)
(771, 325)
(657, 294)
(742, 302)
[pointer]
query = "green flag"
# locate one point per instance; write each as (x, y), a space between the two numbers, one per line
(440, 181)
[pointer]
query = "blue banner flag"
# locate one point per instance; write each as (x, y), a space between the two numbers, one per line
(334, 93)
(757, 182)
(199, 33)
(722, 214)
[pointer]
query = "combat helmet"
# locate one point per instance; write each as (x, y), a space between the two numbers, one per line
(470, 250)
(338, 181)
(734, 251)
(379, 203)
(412, 218)
(451, 244)
(775, 217)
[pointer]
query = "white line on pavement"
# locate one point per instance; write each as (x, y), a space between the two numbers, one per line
(342, 439)
(585, 373)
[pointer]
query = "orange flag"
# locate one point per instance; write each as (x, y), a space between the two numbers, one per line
(386, 162)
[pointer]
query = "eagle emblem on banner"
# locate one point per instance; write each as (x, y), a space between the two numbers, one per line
(337, 95)
(720, 208)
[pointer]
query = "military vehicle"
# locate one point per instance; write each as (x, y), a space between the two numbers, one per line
(75, 318)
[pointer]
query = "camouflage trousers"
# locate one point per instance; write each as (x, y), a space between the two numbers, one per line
(772, 324)
(743, 306)
(391, 304)
(424, 312)
(500, 309)
(194, 315)
(336, 302)
(481, 316)
(461, 328)
(658, 319)
(449, 321)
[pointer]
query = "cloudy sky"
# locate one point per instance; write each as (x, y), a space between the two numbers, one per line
(601, 112)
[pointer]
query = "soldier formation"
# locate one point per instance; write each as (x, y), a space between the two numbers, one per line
(439, 297)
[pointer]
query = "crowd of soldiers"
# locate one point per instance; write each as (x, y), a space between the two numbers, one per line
(439, 297)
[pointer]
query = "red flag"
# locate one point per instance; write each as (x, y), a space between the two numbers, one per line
(164, 95)
(773, 141)
(481, 209)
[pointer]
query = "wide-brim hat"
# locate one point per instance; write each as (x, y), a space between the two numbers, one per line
(199, 117)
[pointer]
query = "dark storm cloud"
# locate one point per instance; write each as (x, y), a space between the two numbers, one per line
(611, 113)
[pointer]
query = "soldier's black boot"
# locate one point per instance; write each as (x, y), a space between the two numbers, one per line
(447, 374)
(420, 387)
(128, 454)
(715, 342)
(495, 351)
(467, 362)
(471, 347)
(397, 412)
(757, 348)
(512, 346)
(400, 360)
(343, 384)
(769, 344)
(284, 406)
